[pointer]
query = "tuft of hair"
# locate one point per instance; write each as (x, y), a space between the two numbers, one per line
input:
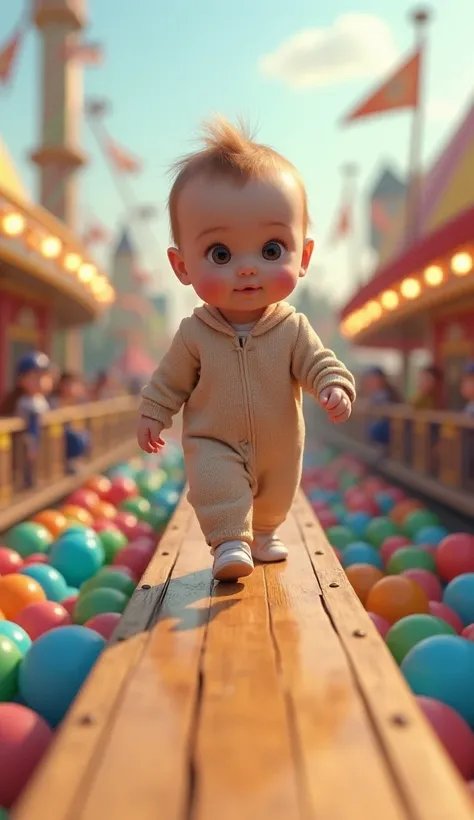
(231, 152)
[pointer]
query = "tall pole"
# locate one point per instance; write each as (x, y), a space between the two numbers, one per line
(420, 17)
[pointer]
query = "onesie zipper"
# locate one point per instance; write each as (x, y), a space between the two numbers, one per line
(245, 384)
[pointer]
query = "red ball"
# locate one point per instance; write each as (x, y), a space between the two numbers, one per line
(380, 623)
(36, 558)
(122, 487)
(127, 523)
(101, 524)
(455, 555)
(104, 623)
(38, 618)
(143, 530)
(83, 497)
(327, 519)
(69, 603)
(10, 561)
(390, 545)
(428, 581)
(319, 505)
(468, 632)
(24, 738)
(453, 732)
(440, 610)
(135, 558)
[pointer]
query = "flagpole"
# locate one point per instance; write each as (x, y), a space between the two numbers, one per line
(420, 17)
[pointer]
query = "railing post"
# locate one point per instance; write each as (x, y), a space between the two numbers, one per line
(420, 445)
(6, 471)
(451, 456)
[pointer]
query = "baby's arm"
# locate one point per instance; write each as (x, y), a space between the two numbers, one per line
(320, 373)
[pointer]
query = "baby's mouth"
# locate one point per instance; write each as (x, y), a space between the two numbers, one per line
(248, 289)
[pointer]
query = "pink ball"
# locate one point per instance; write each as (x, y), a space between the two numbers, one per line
(143, 530)
(327, 519)
(122, 487)
(440, 610)
(455, 555)
(104, 624)
(10, 561)
(127, 523)
(319, 505)
(38, 618)
(24, 738)
(69, 603)
(391, 545)
(427, 581)
(85, 498)
(453, 732)
(468, 632)
(135, 558)
(36, 558)
(382, 625)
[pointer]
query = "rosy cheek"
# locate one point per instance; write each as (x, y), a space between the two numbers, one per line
(284, 281)
(211, 287)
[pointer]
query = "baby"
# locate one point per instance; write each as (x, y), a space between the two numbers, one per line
(239, 218)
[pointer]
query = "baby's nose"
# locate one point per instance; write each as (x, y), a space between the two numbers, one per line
(247, 269)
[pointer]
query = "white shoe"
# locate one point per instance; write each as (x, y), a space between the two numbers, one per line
(268, 548)
(232, 560)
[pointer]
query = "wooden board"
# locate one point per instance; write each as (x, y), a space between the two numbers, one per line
(274, 699)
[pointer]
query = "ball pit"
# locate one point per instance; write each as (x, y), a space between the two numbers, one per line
(416, 580)
(66, 577)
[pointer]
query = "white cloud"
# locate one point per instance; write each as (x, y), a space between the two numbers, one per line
(356, 45)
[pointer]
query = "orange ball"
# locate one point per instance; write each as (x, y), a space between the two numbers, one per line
(2, 616)
(103, 509)
(403, 509)
(362, 578)
(79, 514)
(54, 521)
(100, 484)
(16, 592)
(394, 597)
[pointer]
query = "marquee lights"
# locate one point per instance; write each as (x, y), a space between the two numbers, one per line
(433, 276)
(461, 264)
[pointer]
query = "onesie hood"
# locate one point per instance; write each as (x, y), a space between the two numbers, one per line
(274, 314)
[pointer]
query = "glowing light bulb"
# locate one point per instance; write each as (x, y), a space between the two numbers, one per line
(433, 275)
(51, 247)
(72, 262)
(87, 272)
(461, 263)
(13, 224)
(410, 288)
(389, 300)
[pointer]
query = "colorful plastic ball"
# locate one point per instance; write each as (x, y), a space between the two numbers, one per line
(53, 520)
(135, 558)
(418, 520)
(56, 667)
(98, 601)
(361, 553)
(410, 558)
(327, 519)
(2, 616)
(455, 555)
(77, 555)
(10, 561)
(24, 738)
(357, 521)
(442, 667)
(391, 544)
(380, 623)
(403, 509)
(122, 487)
(112, 540)
(70, 602)
(428, 581)
(84, 497)
(110, 578)
(340, 536)
(27, 538)
(362, 578)
(101, 524)
(441, 610)
(385, 502)
(16, 592)
(103, 509)
(137, 505)
(77, 514)
(379, 530)
(11, 657)
(468, 632)
(459, 595)
(36, 558)
(105, 623)
(36, 619)
(99, 484)
(127, 523)
(394, 597)
(52, 582)
(16, 634)
(453, 732)
(409, 631)
(431, 535)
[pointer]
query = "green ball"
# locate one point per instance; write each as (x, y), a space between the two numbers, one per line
(410, 558)
(11, 657)
(138, 506)
(417, 520)
(157, 518)
(98, 601)
(112, 541)
(349, 480)
(28, 538)
(109, 578)
(339, 509)
(340, 536)
(409, 631)
(379, 529)
(149, 483)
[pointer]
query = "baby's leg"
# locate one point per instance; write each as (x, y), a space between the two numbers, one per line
(220, 493)
(275, 494)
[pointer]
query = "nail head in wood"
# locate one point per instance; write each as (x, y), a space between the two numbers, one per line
(146, 586)
(165, 553)
(334, 585)
(359, 633)
(319, 552)
(86, 720)
(399, 720)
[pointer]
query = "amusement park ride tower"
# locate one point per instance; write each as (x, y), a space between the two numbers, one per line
(59, 157)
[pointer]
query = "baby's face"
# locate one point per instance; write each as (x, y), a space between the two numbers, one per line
(241, 248)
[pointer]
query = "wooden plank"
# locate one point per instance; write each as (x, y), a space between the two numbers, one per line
(333, 734)
(427, 780)
(244, 760)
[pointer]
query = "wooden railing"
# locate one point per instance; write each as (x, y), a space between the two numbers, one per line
(432, 450)
(111, 427)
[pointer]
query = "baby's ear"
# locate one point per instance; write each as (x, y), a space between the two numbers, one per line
(177, 263)
(308, 248)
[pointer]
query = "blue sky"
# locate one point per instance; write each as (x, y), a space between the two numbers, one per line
(165, 70)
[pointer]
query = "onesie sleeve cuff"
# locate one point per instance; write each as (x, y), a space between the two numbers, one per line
(152, 410)
(337, 380)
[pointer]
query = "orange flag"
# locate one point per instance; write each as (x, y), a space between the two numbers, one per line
(401, 90)
(343, 224)
(8, 55)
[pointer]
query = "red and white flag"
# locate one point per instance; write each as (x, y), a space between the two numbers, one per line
(8, 55)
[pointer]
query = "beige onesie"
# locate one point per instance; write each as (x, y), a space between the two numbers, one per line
(243, 430)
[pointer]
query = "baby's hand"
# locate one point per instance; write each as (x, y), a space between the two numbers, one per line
(336, 403)
(149, 435)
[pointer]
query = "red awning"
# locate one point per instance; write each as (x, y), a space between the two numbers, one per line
(444, 240)
(135, 362)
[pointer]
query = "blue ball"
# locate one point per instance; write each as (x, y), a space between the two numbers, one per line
(432, 534)
(459, 595)
(77, 555)
(361, 553)
(16, 634)
(442, 667)
(56, 667)
(385, 502)
(358, 522)
(51, 581)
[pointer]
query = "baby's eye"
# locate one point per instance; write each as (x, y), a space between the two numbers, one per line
(272, 250)
(219, 254)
